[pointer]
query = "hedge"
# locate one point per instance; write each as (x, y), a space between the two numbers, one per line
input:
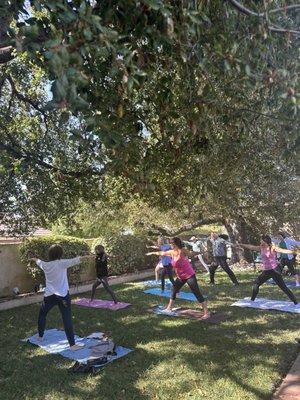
(126, 253)
(38, 247)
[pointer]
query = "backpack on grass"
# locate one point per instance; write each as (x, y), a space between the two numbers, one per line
(100, 355)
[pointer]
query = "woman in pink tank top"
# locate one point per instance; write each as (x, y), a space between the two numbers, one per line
(268, 253)
(184, 272)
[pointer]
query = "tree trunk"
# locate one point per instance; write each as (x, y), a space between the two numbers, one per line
(239, 231)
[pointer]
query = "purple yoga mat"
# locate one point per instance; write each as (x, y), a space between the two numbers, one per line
(97, 303)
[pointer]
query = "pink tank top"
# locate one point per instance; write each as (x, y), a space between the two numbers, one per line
(183, 268)
(269, 259)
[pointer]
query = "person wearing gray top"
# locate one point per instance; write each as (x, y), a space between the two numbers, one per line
(220, 258)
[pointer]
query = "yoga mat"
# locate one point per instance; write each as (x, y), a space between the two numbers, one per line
(55, 342)
(266, 304)
(167, 293)
(288, 283)
(189, 314)
(154, 283)
(97, 303)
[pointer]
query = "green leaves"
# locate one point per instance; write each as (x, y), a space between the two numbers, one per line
(154, 4)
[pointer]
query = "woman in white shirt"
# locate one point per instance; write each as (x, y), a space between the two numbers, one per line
(57, 290)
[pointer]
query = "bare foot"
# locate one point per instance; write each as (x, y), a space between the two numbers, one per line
(205, 316)
(76, 347)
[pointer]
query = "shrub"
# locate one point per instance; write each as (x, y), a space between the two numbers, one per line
(126, 253)
(38, 247)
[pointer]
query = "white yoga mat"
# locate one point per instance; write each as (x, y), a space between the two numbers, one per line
(266, 304)
(55, 342)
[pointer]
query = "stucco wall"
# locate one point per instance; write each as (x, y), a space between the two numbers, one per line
(13, 273)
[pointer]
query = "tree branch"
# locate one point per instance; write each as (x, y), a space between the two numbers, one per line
(33, 160)
(291, 7)
(155, 229)
(283, 30)
(22, 97)
(244, 10)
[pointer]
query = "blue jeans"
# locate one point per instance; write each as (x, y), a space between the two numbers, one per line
(64, 305)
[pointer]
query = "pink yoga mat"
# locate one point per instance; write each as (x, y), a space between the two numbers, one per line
(97, 303)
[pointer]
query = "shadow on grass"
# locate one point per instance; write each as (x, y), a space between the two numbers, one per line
(172, 357)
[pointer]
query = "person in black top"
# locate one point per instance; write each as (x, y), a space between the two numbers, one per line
(102, 273)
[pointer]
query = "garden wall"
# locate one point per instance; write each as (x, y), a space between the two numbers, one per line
(13, 273)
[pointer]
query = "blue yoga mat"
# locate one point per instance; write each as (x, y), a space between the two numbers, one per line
(167, 293)
(55, 342)
(288, 283)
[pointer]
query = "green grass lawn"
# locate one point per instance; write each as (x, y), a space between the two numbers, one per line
(243, 358)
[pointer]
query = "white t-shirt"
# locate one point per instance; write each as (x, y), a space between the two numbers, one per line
(56, 275)
(290, 245)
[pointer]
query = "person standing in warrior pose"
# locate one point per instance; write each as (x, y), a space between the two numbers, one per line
(57, 290)
(269, 261)
(288, 260)
(102, 273)
(220, 258)
(185, 273)
(163, 245)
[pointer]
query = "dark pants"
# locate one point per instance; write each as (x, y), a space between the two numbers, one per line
(266, 275)
(106, 286)
(286, 262)
(222, 262)
(167, 270)
(193, 284)
(64, 305)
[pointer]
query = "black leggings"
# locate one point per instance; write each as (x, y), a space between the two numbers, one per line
(290, 264)
(266, 275)
(167, 270)
(64, 305)
(193, 284)
(106, 286)
(222, 262)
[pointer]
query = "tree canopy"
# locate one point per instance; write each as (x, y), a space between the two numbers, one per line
(191, 104)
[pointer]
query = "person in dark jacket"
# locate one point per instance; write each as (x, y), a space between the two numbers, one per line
(102, 273)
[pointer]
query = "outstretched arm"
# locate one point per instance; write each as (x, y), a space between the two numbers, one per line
(191, 253)
(284, 251)
(160, 253)
(87, 257)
